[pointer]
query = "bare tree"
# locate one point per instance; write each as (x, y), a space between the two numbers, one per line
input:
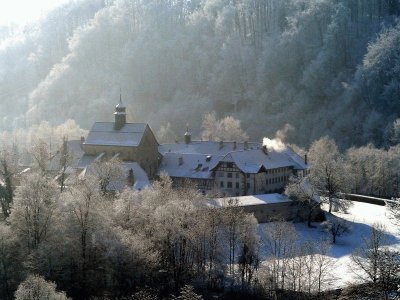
(323, 265)
(8, 168)
(83, 204)
(280, 243)
(366, 257)
(249, 257)
(65, 161)
(376, 263)
(336, 227)
(11, 268)
(40, 151)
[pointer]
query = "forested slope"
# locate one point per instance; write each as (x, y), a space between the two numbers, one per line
(323, 66)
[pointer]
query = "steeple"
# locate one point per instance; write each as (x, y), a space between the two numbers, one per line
(119, 114)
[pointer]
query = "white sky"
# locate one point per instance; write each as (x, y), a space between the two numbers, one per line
(23, 11)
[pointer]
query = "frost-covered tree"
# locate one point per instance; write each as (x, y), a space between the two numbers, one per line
(34, 210)
(328, 173)
(227, 129)
(36, 287)
(305, 194)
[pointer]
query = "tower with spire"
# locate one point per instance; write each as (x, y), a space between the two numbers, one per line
(120, 115)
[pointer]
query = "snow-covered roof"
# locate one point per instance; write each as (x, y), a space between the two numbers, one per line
(250, 200)
(74, 150)
(249, 160)
(206, 147)
(140, 177)
(256, 160)
(86, 160)
(103, 133)
(195, 166)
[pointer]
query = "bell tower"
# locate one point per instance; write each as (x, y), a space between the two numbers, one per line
(120, 115)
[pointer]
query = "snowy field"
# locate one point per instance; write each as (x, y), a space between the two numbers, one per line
(361, 217)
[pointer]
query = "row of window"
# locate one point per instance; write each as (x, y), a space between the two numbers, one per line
(270, 171)
(277, 179)
(277, 170)
(229, 184)
(229, 174)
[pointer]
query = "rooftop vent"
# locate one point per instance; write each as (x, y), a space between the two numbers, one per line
(208, 158)
(246, 145)
(234, 145)
(221, 145)
(180, 160)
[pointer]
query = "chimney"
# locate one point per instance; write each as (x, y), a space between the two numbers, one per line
(188, 136)
(221, 145)
(180, 160)
(131, 178)
(265, 149)
(119, 115)
(246, 145)
(305, 159)
(234, 145)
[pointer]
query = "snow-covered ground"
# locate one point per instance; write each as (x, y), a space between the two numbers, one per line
(361, 217)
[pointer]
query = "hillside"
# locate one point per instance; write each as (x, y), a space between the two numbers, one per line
(323, 66)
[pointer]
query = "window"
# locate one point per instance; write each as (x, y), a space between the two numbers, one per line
(229, 175)
(247, 175)
(237, 175)
(221, 184)
(237, 185)
(229, 184)
(248, 185)
(220, 174)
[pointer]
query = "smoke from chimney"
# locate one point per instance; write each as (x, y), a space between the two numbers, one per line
(277, 143)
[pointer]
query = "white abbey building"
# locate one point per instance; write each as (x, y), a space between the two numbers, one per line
(236, 169)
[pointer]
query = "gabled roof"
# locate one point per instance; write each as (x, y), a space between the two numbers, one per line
(200, 158)
(103, 133)
(254, 161)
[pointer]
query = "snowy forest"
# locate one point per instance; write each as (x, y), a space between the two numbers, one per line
(325, 67)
